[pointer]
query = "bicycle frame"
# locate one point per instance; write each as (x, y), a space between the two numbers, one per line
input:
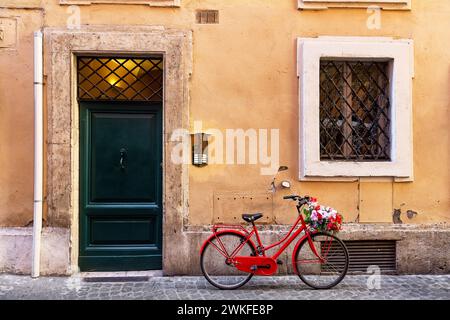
(260, 264)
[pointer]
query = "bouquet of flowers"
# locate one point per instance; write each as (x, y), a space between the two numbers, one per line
(322, 218)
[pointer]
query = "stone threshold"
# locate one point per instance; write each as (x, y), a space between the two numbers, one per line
(119, 274)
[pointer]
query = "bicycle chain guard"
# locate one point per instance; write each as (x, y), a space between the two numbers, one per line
(263, 266)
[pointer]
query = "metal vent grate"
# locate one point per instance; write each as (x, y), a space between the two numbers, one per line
(365, 253)
(354, 110)
(123, 79)
(207, 16)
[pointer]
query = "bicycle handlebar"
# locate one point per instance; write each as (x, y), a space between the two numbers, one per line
(301, 200)
(291, 197)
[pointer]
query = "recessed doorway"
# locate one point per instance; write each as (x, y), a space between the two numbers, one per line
(120, 192)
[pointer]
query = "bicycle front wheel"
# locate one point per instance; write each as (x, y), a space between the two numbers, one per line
(327, 270)
(216, 265)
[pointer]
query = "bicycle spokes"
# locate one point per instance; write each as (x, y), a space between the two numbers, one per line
(220, 269)
(322, 262)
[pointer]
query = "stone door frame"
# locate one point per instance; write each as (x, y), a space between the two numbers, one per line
(61, 47)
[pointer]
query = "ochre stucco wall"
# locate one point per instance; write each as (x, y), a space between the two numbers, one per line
(17, 120)
(244, 76)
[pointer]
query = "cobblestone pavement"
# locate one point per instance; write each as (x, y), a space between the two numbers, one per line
(282, 287)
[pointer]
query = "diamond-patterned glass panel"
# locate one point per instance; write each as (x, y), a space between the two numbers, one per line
(354, 110)
(122, 79)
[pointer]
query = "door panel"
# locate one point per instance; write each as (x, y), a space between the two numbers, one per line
(122, 231)
(122, 149)
(120, 186)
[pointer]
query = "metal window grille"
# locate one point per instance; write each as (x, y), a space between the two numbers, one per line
(354, 110)
(120, 79)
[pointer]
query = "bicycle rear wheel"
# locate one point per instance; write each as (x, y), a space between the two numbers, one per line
(216, 266)
(321, 273)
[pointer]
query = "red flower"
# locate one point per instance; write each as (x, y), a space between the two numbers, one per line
(319, 216)
(313, 199)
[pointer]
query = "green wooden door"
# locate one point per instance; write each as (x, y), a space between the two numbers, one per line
(120, 186)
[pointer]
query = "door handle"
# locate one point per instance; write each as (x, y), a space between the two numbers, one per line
(123, 155)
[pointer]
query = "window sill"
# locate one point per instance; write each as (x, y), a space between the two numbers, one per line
(352, 171)
(152, 3)
(383, 4)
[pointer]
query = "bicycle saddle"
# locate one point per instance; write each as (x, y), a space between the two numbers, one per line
(250, 217)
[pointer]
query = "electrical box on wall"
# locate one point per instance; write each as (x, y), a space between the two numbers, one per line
(199, 143)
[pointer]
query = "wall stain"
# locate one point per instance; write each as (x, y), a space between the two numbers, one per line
(411, 214)
(396, 216)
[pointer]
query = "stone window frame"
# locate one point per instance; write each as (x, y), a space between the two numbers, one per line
(309, 53)
(152, 3)
(61, 47)
(328, 4)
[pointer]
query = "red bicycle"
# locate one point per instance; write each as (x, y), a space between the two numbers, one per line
(229, 257)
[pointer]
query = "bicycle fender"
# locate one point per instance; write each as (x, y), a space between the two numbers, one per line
(222, 232)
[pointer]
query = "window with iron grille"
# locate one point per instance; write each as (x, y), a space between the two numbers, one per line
(354, 110)
(120, 79)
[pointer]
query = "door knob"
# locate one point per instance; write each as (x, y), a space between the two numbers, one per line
(123, 155)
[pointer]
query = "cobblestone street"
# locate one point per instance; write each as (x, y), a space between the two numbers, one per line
(185, 288)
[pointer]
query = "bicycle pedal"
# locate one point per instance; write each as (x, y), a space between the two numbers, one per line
(279, 262)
